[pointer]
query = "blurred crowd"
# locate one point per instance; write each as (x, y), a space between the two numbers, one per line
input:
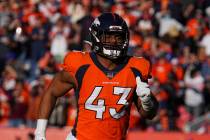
(174, 35)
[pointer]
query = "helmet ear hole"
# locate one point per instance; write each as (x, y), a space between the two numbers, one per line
(109, 36)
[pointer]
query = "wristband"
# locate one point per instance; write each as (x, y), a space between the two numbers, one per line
(41, 127)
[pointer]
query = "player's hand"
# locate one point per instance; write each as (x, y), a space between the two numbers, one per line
(40, 129)
(39, 136)
(144, 93)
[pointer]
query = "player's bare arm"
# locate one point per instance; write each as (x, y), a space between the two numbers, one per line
(146, 103)
(61, 84)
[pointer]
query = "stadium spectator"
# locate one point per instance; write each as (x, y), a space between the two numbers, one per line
(58, 35)
(19, 104)
(33, 104)
(193, 96)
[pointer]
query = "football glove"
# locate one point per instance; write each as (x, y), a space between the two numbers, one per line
(37, 137)
(144, 93)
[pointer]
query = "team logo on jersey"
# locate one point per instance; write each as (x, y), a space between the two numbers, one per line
(110, 74)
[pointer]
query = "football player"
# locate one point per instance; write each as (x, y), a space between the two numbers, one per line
(107, 81)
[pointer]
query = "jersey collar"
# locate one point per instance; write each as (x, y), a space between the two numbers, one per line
(107, 72)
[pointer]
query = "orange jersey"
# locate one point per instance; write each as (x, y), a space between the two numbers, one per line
(104, 96)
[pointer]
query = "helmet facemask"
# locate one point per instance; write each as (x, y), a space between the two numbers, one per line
(110, 44)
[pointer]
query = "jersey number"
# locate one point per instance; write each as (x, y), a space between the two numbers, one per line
(99, 108)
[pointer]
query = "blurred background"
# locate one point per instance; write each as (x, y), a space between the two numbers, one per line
(174, 35)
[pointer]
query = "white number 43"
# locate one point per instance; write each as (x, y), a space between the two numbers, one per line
(99, 108)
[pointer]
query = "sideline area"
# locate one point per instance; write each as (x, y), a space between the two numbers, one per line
(60, 134)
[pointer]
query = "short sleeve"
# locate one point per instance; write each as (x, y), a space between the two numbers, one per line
(143, 66)
(146, 69)
(71, 62)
